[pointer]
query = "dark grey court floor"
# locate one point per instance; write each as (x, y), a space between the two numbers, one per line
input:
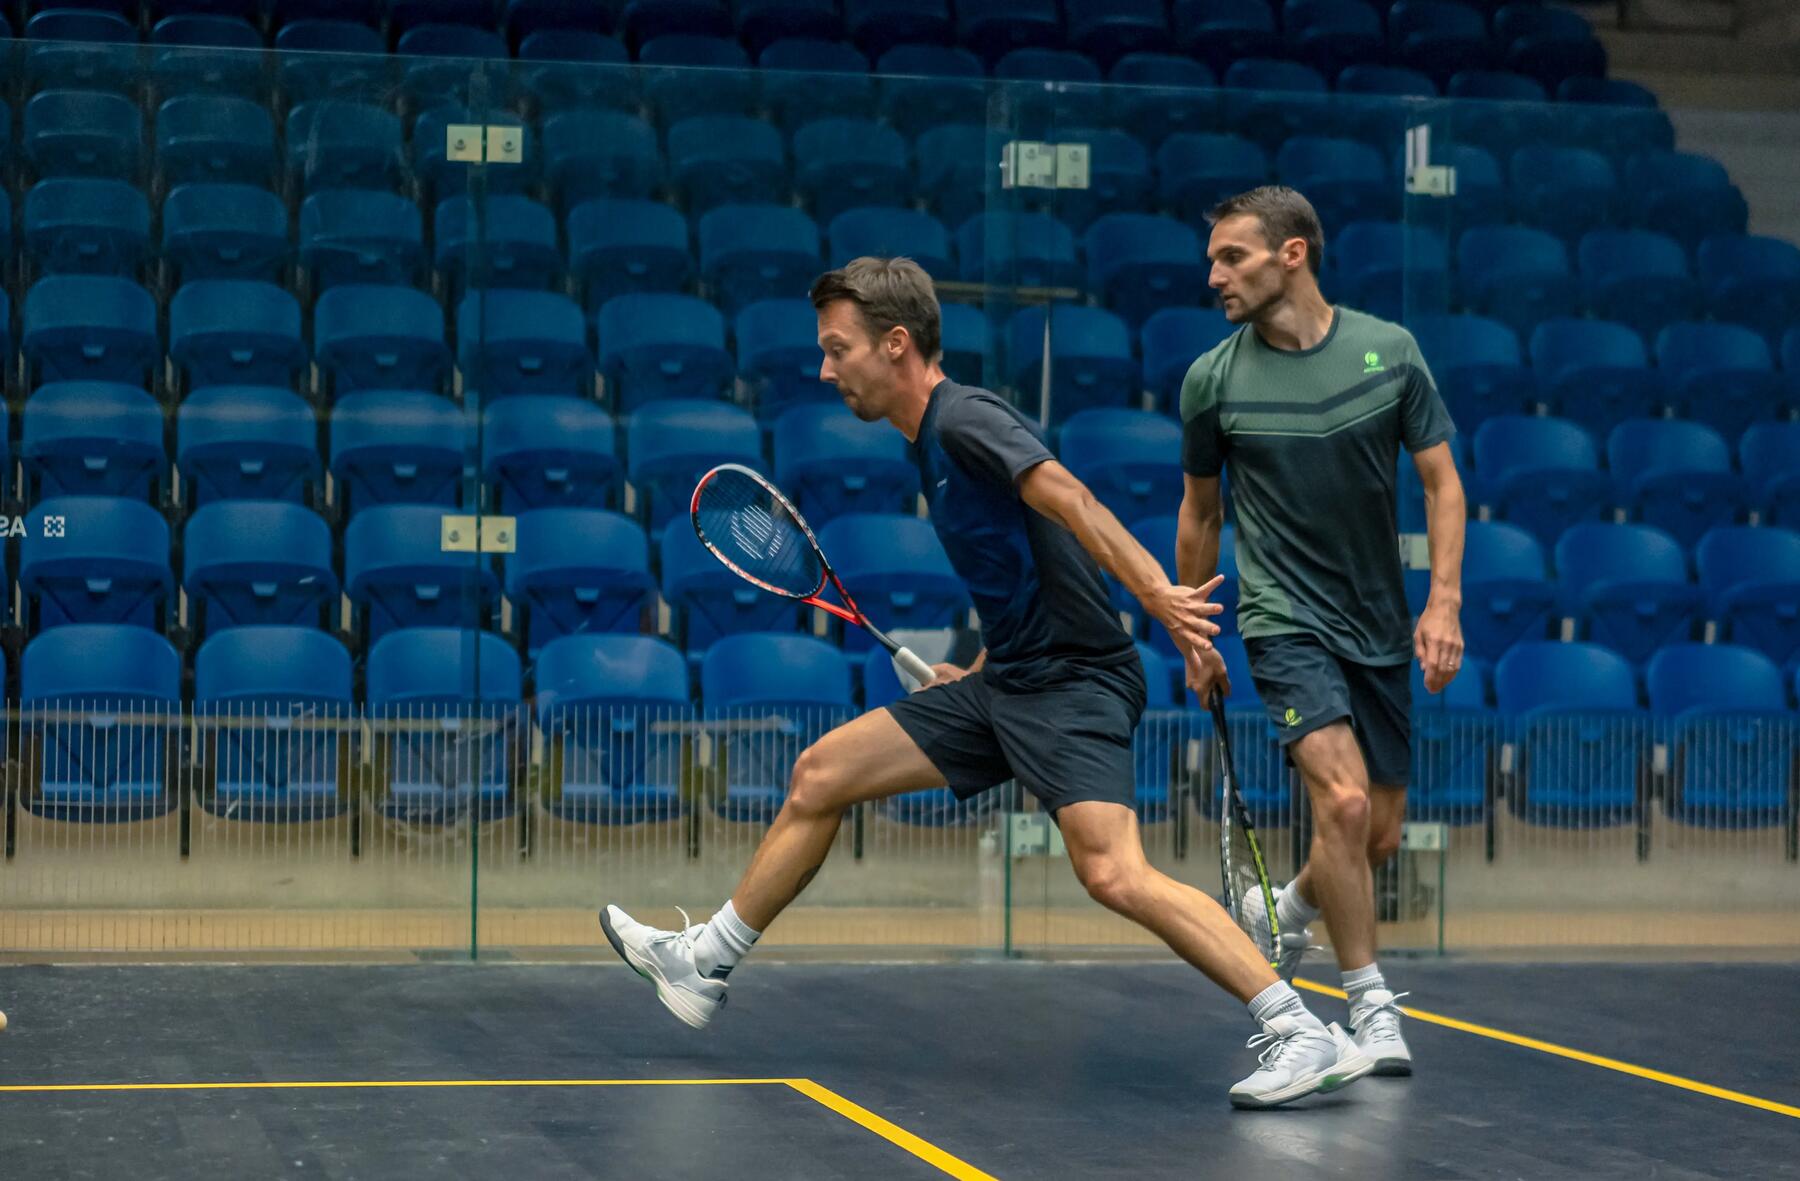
(1017, 1070)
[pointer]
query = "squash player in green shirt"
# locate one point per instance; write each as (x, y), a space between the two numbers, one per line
(1308, 405)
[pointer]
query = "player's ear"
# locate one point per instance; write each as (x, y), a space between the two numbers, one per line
(1293, 253)
(895, 341)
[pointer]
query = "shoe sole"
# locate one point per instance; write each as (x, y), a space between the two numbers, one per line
(1341, 1075)
(1393, 1067)
(670, 997)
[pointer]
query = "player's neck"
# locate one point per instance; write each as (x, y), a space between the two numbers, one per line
(914, 398)
(1297, 323)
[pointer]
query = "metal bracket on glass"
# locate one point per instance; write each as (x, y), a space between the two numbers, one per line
(1420, 837)
(473, 143)
(1423, 178)
(1032, 834)
(469, 535)
(1030, 164)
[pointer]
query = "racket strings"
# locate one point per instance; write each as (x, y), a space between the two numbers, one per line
(748, 525)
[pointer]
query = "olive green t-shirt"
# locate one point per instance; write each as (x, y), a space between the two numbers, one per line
(1311, 439)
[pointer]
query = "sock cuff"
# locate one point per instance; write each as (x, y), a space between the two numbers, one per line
(728, 919)
(1364, 978)
(1275, 1000)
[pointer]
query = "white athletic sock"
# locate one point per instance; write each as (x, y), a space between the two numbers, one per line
(1357, 981)
(723, 943)
(1280, 1000)
(1293, 912)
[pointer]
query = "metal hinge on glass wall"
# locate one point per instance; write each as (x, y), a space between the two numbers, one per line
(1423, 178)
(472, 143)
(1028, 164)
(486, 535)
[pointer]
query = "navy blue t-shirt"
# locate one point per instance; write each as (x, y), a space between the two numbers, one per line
(1045, 614)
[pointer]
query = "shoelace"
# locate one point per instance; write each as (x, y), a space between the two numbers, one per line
(1388, 1013)
(1274, 1045)
(687, 932)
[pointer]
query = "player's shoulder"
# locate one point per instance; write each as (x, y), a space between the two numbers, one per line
(970, 407)
(1200, 387)
(1371, 333)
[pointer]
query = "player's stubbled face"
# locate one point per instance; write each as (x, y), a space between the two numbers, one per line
(854, 361)
(1245, 271)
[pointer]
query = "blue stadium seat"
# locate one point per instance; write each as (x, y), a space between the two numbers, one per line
(1027, 249)
(1628, 586)
(1385, 81)
(1108, 30)
(1381, 266)
(677, 91)
(1090, 358)
(1722, 375)
(1686, 196)
(1516, 275)
(86, 225)
(830, 462)
(1595, 373)
(844, 163)
(709, 601)
(255, 562)
(956, 170)
(968, 341)
(336, 144)
(524, 19)
(1139, 263)
(1752, 581)
(1332, 35)
(1171, 340)
(1733, 737)
(1583, 742)
(592, 154)
(1769, 453)
(90, 327)
(762, 23)
(641, 21)
(210, 52)
(1196, 170)
(613, 709)
(375, 337)
(671, 443)
(445, 704)
(440, 176)
(235, 332)
(933, 806)
(779, 356)
(83, 133)
(994, 28)
(397, 447)
(81, 48)
(225, 231)
(1068, 93)
(406, 15)
(1221, 32)
(1365, 109)
(548, 451)
(1567, 191)
(802, 76)
(103, 768)
(799, 685)
(1478, 365)
(1752, 280)
(360, 236)
(1161, 94)
(1456, 744)
(626, 247)
(578, 570)
(1505, 112)
(254, 684)
(1276, 100)
(877, 26)
(1541, 474)
(1346, 181)
(1165, 747)
(1480, 198)
(901, 574)
(1439, 38)
(318, 57)
(511, 243)
(662, 346)
(882, 232)
(92, 438)
(754, 252)
(523, 342)
(1638, 278)
(441, 61)
(719, 160)
(1619, 114)
(1507, 593)
(1550, 44)
(1674, 475)
(1129, 459)
(576, 69)
(923, 86)
(1119, 176)
(246, 443)
(109, 563)
(398, 576)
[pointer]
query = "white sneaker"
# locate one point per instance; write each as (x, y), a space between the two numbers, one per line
(1294, 944)
(666, 959)
(1375, 1019)
(1299, 1059)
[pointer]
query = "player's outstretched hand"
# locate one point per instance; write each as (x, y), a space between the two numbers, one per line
(1438, 643)
(1187, 613)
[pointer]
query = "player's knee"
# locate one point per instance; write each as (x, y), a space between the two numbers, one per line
(1342, 812)
(814, 787)
(1112, 882)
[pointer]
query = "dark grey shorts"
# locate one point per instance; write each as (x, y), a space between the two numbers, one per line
(1063, 744)
(1305, 687)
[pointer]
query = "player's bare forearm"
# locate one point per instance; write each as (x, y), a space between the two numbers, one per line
(1197, 530)
(1446, 518)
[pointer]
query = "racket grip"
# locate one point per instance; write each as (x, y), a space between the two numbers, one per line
(915, 668)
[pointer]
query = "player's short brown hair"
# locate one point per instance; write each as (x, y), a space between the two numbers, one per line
(890, 293)
(1283, 213)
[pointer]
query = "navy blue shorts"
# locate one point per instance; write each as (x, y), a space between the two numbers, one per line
(1305, 687)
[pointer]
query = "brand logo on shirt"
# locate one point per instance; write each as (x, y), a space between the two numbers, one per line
(1372, 363)
(1292, 717)
(943, 481)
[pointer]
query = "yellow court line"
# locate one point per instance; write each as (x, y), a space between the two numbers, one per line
(931, 1154)
(1543, 1047)
(353, 1084)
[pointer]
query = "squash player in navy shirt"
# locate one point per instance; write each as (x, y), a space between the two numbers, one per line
(1052, 700)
